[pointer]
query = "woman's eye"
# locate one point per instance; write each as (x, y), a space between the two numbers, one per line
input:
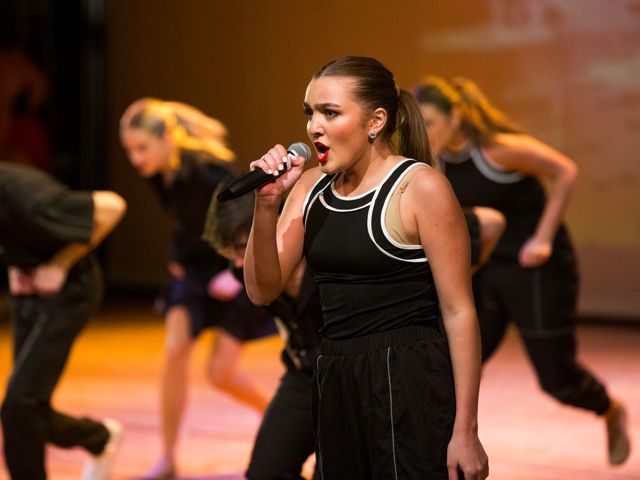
(308, 113)
(330, 113)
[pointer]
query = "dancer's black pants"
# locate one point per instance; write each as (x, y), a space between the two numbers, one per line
(44, 332)
(542, 304)
(285, 439)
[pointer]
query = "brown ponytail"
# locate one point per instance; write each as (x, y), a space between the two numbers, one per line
(376, 88)
(411, 133)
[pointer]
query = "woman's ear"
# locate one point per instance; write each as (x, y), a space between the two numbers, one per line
(378, 120)
(169, 135)
(176, 136)
(456, 117)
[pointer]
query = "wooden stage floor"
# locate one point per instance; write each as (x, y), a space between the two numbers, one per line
(114, 372)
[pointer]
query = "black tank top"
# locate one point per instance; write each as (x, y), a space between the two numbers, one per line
(519, 197)
(368, 282)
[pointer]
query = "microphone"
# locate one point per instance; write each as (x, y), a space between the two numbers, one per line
(258, 177)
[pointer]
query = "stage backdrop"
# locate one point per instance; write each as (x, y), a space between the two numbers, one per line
(568, 71)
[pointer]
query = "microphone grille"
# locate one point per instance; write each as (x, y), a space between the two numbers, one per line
(300, 149)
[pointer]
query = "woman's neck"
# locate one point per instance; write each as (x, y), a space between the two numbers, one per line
(171, 168)
(459, 142)
(367, 172)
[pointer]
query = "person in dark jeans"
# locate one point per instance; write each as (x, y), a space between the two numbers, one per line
(286, 439)
(47, 233)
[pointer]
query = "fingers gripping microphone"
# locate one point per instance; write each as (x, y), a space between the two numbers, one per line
(258, 178)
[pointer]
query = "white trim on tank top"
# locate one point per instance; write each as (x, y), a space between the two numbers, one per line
(394, 242)
(490, 171)
(370, 219)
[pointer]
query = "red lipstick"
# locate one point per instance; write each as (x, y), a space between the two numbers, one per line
(323, 152)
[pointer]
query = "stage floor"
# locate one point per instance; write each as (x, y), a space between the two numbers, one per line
(115, 367)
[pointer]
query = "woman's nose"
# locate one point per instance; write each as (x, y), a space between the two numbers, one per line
(314, 126)
(135, 159)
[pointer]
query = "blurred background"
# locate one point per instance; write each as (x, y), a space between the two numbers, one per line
(567, 71)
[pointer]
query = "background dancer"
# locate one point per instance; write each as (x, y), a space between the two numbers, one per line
(285, 439)
(183, 154)
(532, 277)
(47, 233)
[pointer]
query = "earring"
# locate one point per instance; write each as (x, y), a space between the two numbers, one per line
(372, 135)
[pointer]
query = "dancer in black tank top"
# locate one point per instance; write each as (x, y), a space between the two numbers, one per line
(532, 276)
(396, 381)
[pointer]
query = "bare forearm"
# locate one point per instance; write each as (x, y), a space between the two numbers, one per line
(559, 194)
(464, 343)
(70, 255)
(109, 208)
(262, 272)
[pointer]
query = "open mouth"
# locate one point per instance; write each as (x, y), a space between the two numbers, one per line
(323, 152)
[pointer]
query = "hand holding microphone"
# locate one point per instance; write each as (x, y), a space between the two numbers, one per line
(268, 169)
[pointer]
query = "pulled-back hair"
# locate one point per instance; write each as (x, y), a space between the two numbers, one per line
(376, 88)
(191, 129)
(480, 119)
